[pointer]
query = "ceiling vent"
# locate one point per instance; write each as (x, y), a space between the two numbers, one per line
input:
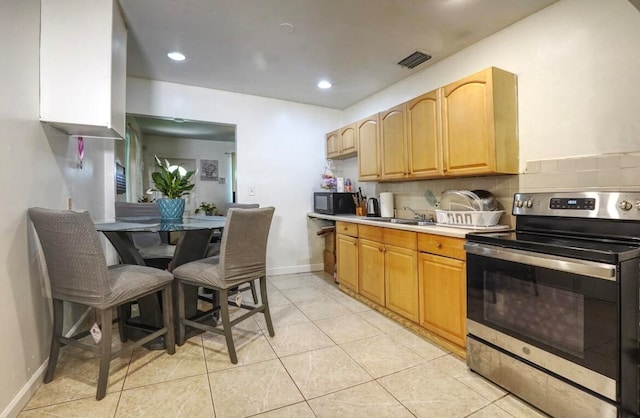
(415, 59)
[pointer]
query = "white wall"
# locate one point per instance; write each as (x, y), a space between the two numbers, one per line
(280, 151)
(196, 149)
(39, 169)
(578, 69)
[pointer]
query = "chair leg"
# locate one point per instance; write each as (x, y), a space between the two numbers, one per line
(181, 313)
(54, 350)
(252, 284)
(124, 313)
(105, 352)
(265, 303)
(167, 314)
(226, 324)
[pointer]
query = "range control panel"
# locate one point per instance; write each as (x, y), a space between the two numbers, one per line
(604, 205)
(572, 203)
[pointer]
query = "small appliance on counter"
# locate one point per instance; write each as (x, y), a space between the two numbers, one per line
(333, 203)
(373, 208)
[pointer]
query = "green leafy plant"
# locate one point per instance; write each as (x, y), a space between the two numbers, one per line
(207, 208)
(170, 182)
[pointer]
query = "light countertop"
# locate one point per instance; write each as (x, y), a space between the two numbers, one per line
(435, 229)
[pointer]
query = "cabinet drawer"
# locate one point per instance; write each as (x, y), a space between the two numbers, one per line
(445, 246)
(346, 228)
(373, 233)
(398, 238)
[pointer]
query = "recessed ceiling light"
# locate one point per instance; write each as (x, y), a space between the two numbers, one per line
(287, 27)
(176, 56)
(324, 84)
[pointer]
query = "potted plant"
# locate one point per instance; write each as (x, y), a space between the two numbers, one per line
(173, 183)
(207, 208)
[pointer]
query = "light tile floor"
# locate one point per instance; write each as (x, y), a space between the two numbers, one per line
(332, 356)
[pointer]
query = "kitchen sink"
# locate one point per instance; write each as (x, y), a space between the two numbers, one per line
(402, 221)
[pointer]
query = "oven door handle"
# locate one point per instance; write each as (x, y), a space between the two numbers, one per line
(570, 265)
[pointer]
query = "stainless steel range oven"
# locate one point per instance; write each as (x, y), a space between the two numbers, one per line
(552, 307)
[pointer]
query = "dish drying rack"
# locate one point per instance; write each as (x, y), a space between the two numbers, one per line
(471, 218)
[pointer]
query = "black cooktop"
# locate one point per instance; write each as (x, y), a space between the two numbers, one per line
(593, 249)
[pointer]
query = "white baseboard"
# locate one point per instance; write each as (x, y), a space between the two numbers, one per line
(304, 268)
(20, 400)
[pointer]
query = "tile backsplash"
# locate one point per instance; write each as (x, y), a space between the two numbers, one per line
(609, 172)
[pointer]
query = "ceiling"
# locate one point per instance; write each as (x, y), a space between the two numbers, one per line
(180, 128)
(242, 46)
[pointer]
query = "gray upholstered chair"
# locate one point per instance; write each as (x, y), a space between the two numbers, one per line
(78, 273)
(242, 259)
(150, 245)
(214, 247)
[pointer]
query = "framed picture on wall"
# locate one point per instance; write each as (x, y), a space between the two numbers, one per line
(209, 170)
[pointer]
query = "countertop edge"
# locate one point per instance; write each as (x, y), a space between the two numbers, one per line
(428, 229)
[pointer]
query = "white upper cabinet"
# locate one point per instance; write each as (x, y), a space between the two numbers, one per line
(83, 53)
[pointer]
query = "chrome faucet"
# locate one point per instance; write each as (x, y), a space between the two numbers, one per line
(416, 215)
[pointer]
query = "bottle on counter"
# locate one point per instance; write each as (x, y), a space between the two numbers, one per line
(347, 185)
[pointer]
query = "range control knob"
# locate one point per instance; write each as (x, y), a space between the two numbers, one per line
(528, 203)
(518, 203)
(625, 205)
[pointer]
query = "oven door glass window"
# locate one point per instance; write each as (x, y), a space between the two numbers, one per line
(570, 315)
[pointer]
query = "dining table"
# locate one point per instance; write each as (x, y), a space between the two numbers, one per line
(195, 233)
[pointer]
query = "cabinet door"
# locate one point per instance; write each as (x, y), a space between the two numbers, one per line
(347, 259)
(368, 149)
(333, 146)
(467, 129)
(348, 140)
(393, 138)
(401, 281)
(443, 304)
(479, 124)
(371, 270)
(424, 136)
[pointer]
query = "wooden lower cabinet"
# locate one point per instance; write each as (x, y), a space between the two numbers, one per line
(421, 277)
(443, 298)
(371, 270)
(401, 281)
(347, 260)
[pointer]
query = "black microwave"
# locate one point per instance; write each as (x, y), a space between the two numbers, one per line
(331, 203)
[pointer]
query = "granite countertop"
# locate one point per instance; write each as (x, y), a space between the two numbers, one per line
(435, 229)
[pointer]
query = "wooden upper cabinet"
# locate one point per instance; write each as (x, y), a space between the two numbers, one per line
(333, 148)
(348, 140)
(479, 126)
(368, 148)
(424, 136)
(342, 143)
(393, 137)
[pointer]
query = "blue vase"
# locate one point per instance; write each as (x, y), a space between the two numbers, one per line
(171, 209)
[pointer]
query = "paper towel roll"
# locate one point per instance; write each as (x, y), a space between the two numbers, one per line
(386, 205)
